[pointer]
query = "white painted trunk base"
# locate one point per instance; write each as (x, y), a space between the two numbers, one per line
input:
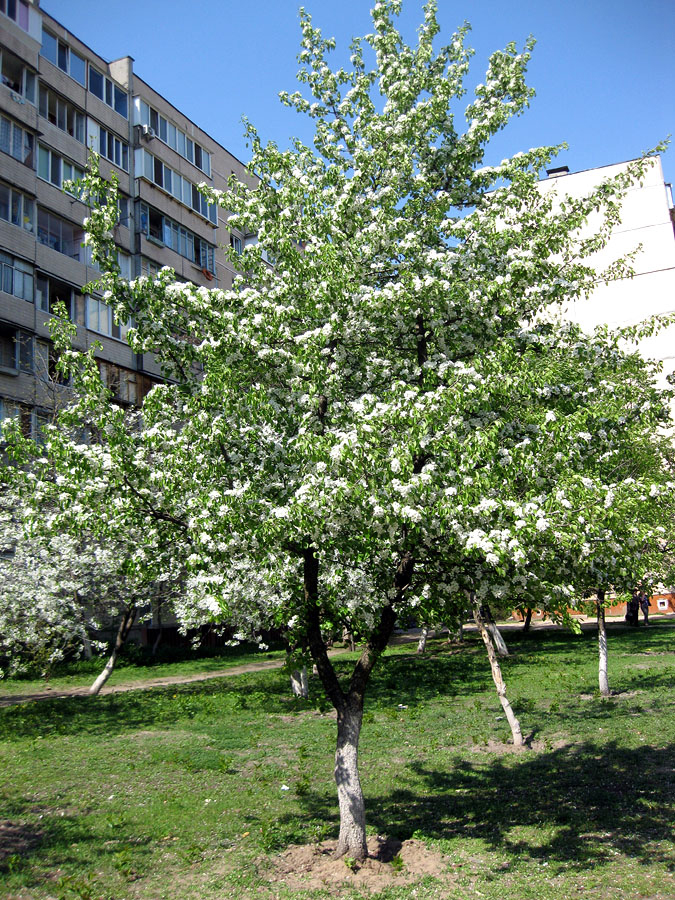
(300, 683)
(352, 838)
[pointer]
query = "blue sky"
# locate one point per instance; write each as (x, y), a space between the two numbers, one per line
(604, 70)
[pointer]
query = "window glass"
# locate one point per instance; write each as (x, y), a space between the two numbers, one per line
(78, 68)
(4, 202)
(55, 171)
(48, 49)
(62, 57)
(16, 208)
(43, 162)
(96, 83)
(30, 82)
(121, 102)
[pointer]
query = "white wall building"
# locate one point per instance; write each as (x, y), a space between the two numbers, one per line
(647, 220)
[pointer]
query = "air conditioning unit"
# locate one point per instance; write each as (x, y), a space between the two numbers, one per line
(147, 132)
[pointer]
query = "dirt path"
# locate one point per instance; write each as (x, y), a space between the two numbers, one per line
(401, 638)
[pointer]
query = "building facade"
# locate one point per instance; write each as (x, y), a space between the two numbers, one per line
(58, 98)
(648, 227)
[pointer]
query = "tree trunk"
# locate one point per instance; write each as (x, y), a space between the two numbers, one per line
(349, 705)
(158, 639)
(489, 622)
(300, 683)
(352, 837)
(527, 619)
(603, 682)
(499, 642)
(122, 635)
(486, 633)
(348, 638)
(422, 643)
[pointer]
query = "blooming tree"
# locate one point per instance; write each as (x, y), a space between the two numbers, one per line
(379, 418)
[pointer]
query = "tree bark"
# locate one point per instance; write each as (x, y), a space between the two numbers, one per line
(527, 619)
(349, 704)
(603, 682)
(352, 837)
(499, 642)
(422, 643)
(300, 683)
(122, 635)
(486, 634)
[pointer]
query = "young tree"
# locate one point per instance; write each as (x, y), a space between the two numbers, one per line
(374, 424)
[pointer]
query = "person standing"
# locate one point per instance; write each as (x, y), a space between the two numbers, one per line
(644, 606)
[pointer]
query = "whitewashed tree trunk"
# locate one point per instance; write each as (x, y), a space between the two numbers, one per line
(352, 837)
(300, 683)
(499, 642)
(603, 682)
(486, 633)
(422, 643)
(122, 635)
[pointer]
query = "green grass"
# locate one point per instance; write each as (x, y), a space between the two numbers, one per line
(135, 665)
(177, 793)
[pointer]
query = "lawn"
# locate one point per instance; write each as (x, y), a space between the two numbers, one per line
(195, 791)
(136, 666)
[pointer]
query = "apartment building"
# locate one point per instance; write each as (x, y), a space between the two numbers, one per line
(57, 99)
(647, 227)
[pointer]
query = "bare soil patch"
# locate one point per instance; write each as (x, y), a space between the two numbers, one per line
(313, 867)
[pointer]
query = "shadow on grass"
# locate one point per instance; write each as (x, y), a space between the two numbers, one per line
(578, 805)
(262, 692)
(402, 677)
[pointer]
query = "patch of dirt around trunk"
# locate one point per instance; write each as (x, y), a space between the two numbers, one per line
(314, 867)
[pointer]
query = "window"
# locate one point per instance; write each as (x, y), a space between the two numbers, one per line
(16, 141)
(17, 208)
(149, 268)
(114, 149)
(61, 113)
(123, 207)
(63, 56)
(100, 318)
(16, 350)
(235, 243)
(17, 277)
(9, 351)
(172, 135)
(127, 386)
(205, 255)
(55, 169)
(53, 374)
(110, 93)
(183, 190)
(9, 409)
(162, 229)
(49, 292)
(123, 261)
(17, 10)
(60, 234)
(16, 76)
